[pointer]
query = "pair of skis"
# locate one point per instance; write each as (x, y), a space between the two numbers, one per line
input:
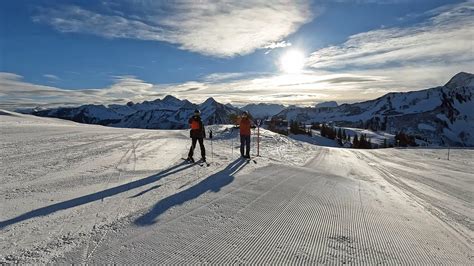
(200, 162)
(249, 160)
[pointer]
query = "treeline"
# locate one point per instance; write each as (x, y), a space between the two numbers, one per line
(298, 129)
(362, 142)
(340, 135)
(405, 140)
(355, 140)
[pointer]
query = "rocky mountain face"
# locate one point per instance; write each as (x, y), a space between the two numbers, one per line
(441, 115)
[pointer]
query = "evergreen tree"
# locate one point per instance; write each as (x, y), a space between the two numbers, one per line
(364, 143)
(361, 141)
(295, 128)
(332, 133)
(355, 142)
(404, 140)
(315, 126)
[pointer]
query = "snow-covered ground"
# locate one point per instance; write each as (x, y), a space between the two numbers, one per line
(376, 137)
(93, 194)
(315, 139)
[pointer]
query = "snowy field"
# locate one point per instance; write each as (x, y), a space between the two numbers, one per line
(376, 137)
(74, 193)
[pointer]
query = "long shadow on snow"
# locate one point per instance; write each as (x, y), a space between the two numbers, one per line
(212, 183)
(94, 196)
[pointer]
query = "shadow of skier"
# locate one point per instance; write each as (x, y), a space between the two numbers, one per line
(212, 183)
(94, 196)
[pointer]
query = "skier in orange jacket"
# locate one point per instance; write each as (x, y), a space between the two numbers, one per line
(197, 133)
(245, 124)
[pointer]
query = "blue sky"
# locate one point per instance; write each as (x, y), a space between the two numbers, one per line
(75, 52)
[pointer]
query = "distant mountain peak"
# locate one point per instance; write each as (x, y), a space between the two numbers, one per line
(209, 101)
(461, 79)
(171, 99)
(188, 105)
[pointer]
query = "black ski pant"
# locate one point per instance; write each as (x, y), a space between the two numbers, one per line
(201, 145)
(245, 142)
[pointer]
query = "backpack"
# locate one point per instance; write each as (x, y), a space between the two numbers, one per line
(195, 124)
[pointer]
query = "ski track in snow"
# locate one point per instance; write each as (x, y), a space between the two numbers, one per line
(90, 194)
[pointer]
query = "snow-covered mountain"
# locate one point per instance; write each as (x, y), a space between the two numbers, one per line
(89, 114)
(166, 113)
(176, 116)
(443, 114)
(440, 115)
(263, 110)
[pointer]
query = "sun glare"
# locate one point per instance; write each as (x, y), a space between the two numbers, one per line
(292, 61)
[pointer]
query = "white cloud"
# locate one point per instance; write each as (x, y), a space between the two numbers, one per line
(17, 93)
(446, 38)
(379, 2)
(224, 76)
(412, 58)
(275, 45)
(216, 28)
(367, 66)
(237, 88)
(51, 77)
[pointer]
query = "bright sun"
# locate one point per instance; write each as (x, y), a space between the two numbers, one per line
(292, 61)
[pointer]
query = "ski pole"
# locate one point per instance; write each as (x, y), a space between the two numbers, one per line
(232, 129)
(259, 122)
(212, 150)
(258, 141)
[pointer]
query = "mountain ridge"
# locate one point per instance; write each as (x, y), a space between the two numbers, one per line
(442, 115)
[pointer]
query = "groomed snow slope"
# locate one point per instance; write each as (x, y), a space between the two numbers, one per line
(82, 193)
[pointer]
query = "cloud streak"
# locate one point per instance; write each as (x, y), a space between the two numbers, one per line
(276, 45)
(301, 89)
(51, 77)
(17, 93)
(215, 28)
(420, 56)
(446, 38)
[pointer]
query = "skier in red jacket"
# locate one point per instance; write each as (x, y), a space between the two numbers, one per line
(197, 133)
(245, 125)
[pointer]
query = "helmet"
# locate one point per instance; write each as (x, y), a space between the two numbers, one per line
(197, 112)
(245, 113)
